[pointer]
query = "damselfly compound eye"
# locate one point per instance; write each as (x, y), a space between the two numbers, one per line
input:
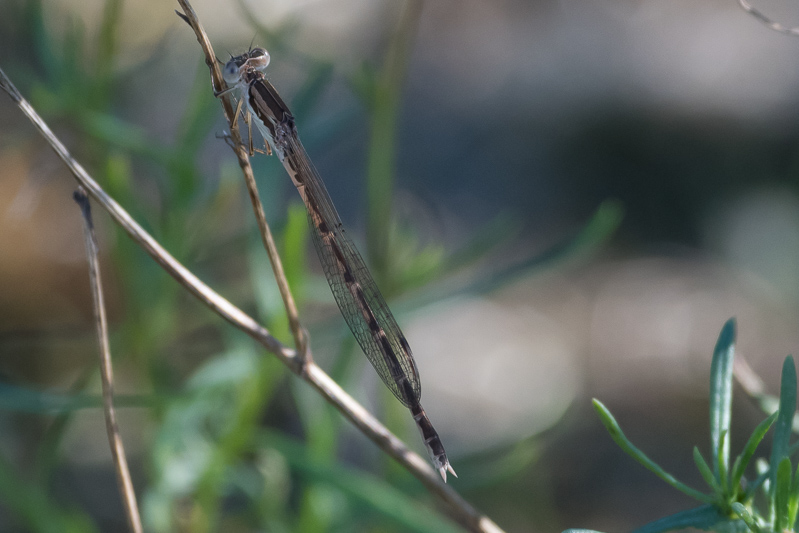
(231, 72)
(258, 58)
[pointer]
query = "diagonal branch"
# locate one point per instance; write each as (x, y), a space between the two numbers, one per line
(459, 508)
(759, 15)
(183, 275)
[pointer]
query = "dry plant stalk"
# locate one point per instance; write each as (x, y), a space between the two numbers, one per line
(776, 26)
(106, 370)
(459, 509)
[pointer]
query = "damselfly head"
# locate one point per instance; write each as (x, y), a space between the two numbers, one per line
(255, 59)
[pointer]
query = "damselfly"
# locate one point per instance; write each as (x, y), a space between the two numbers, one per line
(356, 293)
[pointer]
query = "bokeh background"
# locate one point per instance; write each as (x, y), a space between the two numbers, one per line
(560, 199)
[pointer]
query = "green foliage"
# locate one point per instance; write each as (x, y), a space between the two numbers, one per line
(34, 507)
(210, 465)
(729, 504)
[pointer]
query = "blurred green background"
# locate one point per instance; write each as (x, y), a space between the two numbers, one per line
(560, 200)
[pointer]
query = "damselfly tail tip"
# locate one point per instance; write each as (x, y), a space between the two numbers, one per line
(443, 471)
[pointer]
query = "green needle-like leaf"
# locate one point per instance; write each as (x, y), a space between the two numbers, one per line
(742, 461)
(793, 500)
(621, 440)
(721, 395)
(722, 463)
(746, 516)
(704, 517)
(706, 472)
(782, 429)
(782, 493)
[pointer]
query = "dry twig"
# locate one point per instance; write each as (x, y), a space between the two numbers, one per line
(106, 370)
(749, 8)
(460, 510)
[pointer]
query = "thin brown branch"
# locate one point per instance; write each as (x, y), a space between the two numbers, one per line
(461, 510)
(749, 8)
(242, 155)
(106, 370)
(318, 378)
(175, 269)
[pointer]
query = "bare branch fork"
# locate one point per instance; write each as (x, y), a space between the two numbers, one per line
(304, 367)
(106, 370)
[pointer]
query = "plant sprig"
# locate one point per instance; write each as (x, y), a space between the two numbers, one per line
(730, 503)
